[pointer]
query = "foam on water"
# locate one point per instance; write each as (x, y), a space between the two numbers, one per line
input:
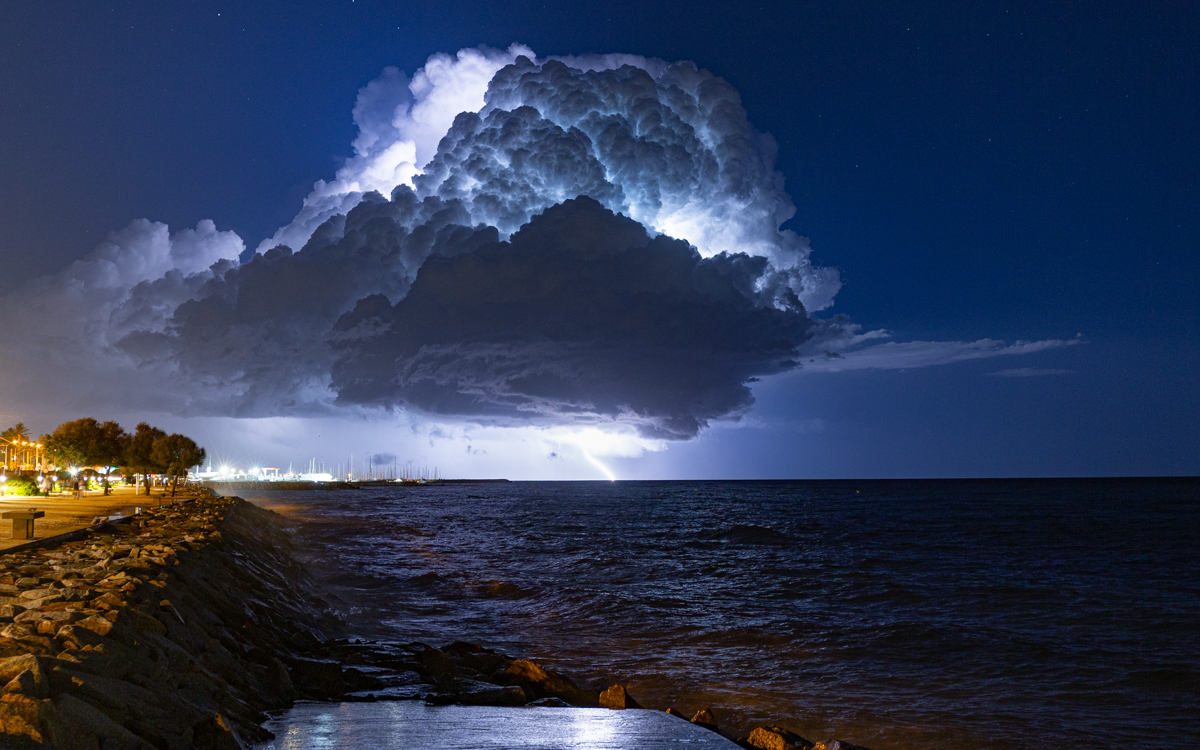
(983, 614)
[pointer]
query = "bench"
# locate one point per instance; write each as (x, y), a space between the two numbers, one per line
(23, 521)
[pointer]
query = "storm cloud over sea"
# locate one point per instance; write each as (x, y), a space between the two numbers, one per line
(589, 241)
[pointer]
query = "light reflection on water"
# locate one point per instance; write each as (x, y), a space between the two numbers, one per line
(892, 614)
(408, 725)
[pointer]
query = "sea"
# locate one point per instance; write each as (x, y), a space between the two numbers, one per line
(981, 614)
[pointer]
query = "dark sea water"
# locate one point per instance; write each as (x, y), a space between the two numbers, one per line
(894, 614)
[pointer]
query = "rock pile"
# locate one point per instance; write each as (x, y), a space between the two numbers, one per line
(173, 630)
(181, 627)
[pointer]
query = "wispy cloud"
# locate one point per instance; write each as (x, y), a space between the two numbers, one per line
(1028, 372)
(860, 354)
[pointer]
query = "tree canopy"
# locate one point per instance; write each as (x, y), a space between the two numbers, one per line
(86, 442)
(177, 453)
(17, 432)
(149, 450)
(139, 451)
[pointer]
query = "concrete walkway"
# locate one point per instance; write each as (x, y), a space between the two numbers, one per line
(412, 725)
(65, 513)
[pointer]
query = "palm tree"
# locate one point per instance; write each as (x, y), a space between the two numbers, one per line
(17, 432)
(13, 436)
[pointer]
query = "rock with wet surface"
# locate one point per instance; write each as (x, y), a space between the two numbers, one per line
(775, 738)
(618, 698)
(539, 682)
(549, 703)
(704, 718)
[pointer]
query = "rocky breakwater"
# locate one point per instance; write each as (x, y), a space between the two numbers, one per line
(172, 630)
(182, 626)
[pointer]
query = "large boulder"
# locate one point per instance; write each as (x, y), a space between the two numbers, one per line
(617, 697)
(704, 718)
(539, 682)
(475, 693)
(775, 738)
(21, 720)
(317, 679)
(77, 724)
(214, 733)
(476, 658)
(25, 675)
(549, 703)
(437, 666)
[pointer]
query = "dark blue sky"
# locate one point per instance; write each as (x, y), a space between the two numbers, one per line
(1003, 170)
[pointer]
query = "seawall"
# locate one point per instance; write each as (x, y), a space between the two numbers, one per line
(171, 630)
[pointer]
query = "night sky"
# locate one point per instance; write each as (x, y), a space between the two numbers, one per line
(1000, 171)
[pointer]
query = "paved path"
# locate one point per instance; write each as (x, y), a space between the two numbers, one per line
(411, 725)
(64, 513)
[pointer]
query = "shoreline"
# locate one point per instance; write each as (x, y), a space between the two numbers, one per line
(183, 626)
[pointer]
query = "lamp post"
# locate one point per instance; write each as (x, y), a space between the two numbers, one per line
(12, 453)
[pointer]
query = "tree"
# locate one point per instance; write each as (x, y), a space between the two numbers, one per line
(73, 443)
(13, 435)
(139, 452)
(110, 448)
(17, 432)
(177, 453)
(86, 442)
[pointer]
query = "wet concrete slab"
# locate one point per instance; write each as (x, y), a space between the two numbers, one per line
(409, 725)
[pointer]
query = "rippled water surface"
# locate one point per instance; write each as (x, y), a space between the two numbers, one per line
(911, 614)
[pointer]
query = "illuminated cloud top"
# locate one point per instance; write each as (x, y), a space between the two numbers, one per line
(567, 241)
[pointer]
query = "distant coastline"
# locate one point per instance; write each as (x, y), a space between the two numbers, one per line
(283, 484)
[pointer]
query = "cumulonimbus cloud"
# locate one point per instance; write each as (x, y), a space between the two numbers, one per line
(582, 314)
(592, 239)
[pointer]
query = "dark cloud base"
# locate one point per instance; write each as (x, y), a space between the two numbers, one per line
(580, 315)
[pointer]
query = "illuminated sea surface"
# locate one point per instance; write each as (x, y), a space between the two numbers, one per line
(893, 614)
